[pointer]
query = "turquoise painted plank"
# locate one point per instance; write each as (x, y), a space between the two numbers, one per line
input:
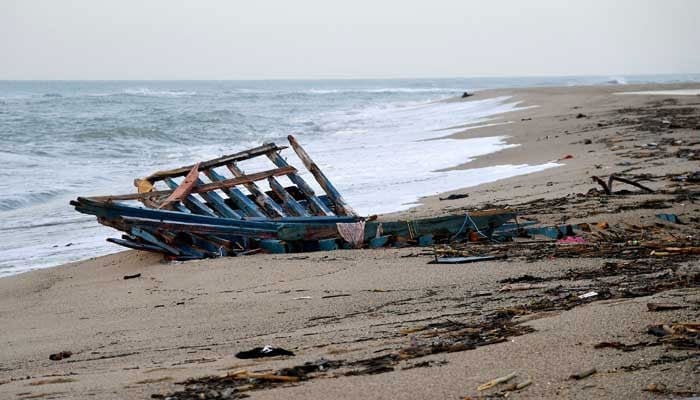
(115, 210)
(218, 203)
(238, 197)
(190, 201)
(290, 203)
(426, 240)
(149, 237)
(327, 245)
(273, 209)
(378, 242)
(316, 204)
(205, 229)
(273, 246)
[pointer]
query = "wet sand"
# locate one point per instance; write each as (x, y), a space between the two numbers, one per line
(373, 310)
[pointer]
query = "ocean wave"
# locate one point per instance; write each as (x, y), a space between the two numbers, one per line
(123, 132)
(146, 92)
(17, 201)
(616, 80)
(383, 90)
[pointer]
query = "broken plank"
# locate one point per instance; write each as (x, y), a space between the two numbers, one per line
(236, 195)
(273, 209)
(239, 180)
(341, 206)
(316, 204)
(217, 162)
(289, 202)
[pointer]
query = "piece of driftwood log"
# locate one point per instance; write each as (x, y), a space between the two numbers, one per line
(607, 187)
(664, 306)
(583, 374)
(494, 382)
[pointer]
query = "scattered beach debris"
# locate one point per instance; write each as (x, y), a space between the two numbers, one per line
(51, 381)
(664, 306)
(607, 187)
(583, 374)
(656, 388)
(494, 382)
(138, 275)
(267, 351)
(60, 355)
(464, 260)
(673, 218)
(455, 196)
(681, 336)
(330, 296)
(588, 295)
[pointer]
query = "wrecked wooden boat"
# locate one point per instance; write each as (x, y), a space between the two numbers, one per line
(213, 208)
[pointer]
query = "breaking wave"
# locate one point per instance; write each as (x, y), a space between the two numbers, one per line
(146, 92)
(16, 201)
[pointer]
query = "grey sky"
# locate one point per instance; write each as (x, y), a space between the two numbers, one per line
(210, 39)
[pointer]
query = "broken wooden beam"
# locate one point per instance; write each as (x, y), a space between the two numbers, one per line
(341, 206)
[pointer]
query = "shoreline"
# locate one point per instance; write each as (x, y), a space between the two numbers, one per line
(133, 338)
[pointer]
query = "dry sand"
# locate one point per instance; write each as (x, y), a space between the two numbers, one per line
(134, 338)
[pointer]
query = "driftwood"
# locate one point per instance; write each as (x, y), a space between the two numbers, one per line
(494, 382)
(607, 187)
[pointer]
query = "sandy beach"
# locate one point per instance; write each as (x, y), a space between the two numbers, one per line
(375, 323)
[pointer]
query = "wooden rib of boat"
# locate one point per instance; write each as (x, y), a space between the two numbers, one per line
(213, 208)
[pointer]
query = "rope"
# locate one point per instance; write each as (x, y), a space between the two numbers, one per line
(467, 217)
(411, 229)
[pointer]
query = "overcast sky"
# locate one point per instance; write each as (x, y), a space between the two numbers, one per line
(212, 39)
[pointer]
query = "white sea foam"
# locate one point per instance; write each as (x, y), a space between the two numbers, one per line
(384, 159)
(157, 93)
(617, 80)
(677, 92)
(387, 90)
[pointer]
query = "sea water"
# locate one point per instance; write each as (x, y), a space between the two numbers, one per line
(383, 143)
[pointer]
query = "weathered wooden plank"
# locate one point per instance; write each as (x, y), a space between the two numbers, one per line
(217, 162)
(113, 211)
(180, 191)
(239, 180)
(218, 203)
(198, 228)
(238, 197)
(273, 246)
(190, 201)
(316, 204)
(441, 227)
(292, 206)
(150, 238)
(272, 209)
(138, 245)
(341, 206)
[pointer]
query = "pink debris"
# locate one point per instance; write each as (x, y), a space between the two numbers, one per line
(572, 240)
